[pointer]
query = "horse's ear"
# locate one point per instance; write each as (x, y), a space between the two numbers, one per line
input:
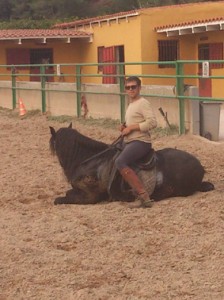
(70, 125)
(53, 132)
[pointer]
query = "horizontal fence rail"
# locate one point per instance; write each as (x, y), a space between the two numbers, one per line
(78, 73)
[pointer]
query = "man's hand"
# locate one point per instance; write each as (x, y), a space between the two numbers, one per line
(126, 131)
(122, 127)
(129, 129)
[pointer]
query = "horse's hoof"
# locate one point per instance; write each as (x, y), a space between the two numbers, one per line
(59, 200)
(207, 186)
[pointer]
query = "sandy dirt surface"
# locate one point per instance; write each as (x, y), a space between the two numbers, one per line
(175, 250)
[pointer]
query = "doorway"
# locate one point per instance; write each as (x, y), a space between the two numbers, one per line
(213, 51)
(41, 56)
(112, 54)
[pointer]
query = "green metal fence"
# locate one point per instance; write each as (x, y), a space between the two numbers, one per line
(78, 74)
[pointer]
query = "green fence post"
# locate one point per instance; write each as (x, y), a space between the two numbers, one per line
(122, 96)
(78, 89)
(43, 88)
(179, 93)
(13, 88)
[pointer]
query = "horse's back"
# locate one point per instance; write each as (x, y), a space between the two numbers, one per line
(182, 172)
(180, 160)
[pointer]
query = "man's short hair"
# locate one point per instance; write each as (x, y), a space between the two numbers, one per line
(134, 78)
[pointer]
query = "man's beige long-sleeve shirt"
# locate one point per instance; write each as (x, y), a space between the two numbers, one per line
(140, 112)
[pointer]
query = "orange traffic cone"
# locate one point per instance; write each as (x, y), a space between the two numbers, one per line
(22, 110)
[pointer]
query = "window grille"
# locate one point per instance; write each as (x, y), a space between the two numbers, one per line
(41, 56)
(168, 51)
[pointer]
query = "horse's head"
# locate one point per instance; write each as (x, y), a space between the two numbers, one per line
(72, 148)
(52, 141)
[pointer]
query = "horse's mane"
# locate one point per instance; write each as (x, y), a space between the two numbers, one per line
(72, 148)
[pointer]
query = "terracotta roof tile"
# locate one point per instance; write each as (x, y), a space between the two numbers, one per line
(126, 13)
(189, 23)
(95, 19)
(40, 33)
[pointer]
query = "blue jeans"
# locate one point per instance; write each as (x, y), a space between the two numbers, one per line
(131, 153)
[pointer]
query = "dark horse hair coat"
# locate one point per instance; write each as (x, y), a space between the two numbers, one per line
(88, 165)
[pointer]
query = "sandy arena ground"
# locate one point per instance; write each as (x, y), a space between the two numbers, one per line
(174, 250)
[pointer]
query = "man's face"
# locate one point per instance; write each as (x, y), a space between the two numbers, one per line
(132, 89)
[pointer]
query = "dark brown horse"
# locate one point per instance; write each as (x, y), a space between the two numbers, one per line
(89, 166)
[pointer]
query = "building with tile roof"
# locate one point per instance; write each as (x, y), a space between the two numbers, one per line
(168, 33)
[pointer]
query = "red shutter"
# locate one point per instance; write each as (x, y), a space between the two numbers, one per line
(108, 56)
(216, 53)
(15, 56)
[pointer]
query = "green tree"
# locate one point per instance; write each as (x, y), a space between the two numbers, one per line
(42, 9)
(21, 9)
(59, 10)
(5, 10)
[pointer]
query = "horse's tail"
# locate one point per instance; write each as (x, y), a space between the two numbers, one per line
(206, 186)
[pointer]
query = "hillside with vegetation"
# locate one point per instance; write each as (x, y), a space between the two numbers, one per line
(43, 14)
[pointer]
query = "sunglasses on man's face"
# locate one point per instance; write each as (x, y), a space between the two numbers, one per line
(131, 87)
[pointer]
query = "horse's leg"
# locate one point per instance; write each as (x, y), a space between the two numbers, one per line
(59, 200)
(80, 197)
(69, 198)
(163, 192)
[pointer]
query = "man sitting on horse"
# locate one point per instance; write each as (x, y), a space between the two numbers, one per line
(139, 120)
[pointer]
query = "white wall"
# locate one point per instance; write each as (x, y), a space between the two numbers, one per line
(61, 99)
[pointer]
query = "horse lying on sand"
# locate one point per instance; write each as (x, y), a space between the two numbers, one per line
(89, 167)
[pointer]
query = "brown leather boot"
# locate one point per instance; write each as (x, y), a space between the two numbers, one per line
(143, 199)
